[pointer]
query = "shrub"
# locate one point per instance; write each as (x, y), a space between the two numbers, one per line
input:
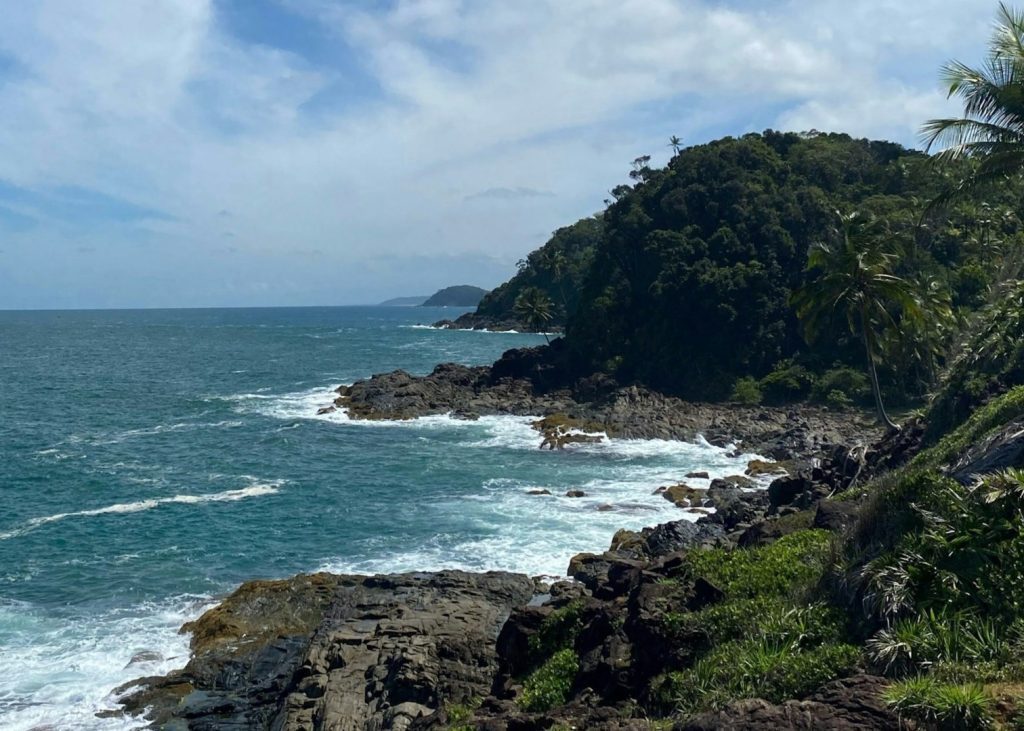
(549, 685)
(747, 391)
(788, 382)
(774, 570)
(842, 384)
(946, 706)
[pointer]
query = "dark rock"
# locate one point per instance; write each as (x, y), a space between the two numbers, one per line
(575, 493)
(538, 492)
(836, 515)
(698, 476)
(735, 507)
(769, 530)
(338, 652)
(785, 490)
(683, 495)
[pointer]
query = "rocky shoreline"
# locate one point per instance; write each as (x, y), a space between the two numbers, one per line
(525, 382)
(450, 649)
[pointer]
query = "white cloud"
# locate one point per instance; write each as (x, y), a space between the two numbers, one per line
(158, 104)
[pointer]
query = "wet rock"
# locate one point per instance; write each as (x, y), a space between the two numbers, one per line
(538, 492)
(575, 493)
(758, 467)
(143, 657)
(683, 495)
(698, 476)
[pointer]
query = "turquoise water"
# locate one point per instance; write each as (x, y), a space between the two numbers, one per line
(152, 460)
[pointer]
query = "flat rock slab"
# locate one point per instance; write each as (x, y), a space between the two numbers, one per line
(339, 653)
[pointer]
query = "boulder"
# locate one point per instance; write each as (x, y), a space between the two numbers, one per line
(683, 495)
(786, 490)
(836, 515)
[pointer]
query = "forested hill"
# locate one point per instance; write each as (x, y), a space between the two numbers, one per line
(684, 282)
(462, 295)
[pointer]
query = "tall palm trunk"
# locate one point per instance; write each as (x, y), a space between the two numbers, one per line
(876, 388)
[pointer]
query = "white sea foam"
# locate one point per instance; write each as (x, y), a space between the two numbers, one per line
(476, 330)
(58, 671)
(255, 490)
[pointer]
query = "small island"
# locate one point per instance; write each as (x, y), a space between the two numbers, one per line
(413, 301)
(462, 295)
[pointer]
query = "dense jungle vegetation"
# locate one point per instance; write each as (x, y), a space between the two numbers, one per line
(685, 282)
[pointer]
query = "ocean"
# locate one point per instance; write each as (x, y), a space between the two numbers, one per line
(152, 460)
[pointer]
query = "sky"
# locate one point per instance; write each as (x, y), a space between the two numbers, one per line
(203, 153)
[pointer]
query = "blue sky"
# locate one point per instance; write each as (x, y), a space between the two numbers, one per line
(180, 153)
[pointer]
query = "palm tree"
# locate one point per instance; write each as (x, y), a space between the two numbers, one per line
(992, 128)
(557, 263)
(855, 277)
(675, 143)
(533, 307)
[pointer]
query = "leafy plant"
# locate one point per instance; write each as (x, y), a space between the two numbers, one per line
(558, 631)
(549, 685)
(773, 570)
(747, 391)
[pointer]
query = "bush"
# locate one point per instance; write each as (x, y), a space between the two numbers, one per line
(944, 705)
(549, 685)
(774, 570)
(842, 384)
(788, 382)
(747, 391)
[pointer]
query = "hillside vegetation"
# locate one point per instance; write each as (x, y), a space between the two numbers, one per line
(462, 295)
(685, 282)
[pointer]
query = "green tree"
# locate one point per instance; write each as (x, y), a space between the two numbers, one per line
(855, 277)
(675, 143)
(533, 306)
(992, 128)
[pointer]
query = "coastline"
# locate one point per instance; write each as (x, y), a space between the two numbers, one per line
(257, 659)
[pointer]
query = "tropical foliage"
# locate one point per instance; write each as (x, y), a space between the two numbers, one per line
(992, 127)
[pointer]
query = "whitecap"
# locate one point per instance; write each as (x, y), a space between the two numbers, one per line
(58, 671)
(255, 490)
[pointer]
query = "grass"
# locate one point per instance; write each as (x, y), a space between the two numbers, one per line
(757, 668)
(982, 422)
(943, 705)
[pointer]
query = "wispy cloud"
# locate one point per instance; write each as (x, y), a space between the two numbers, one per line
(509, 194)
(361, 130)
